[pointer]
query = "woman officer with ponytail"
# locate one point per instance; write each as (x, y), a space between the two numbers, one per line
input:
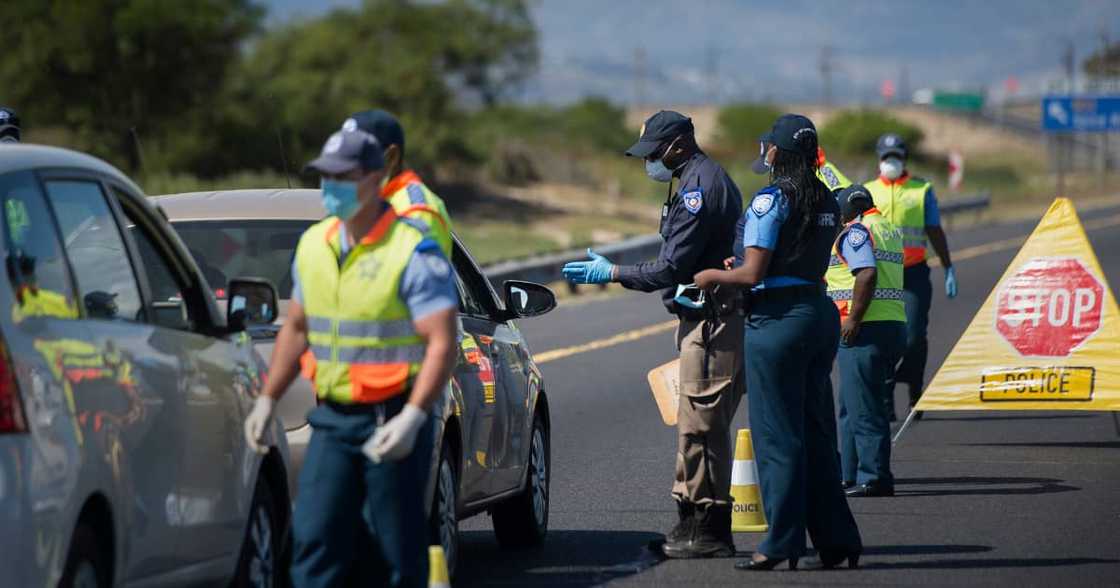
(793, 331)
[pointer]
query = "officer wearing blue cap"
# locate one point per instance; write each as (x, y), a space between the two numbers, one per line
(865, 281)
(793, 331)
(697, 225)
(374, 302)
(9, 126)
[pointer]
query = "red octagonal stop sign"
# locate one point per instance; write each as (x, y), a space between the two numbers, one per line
(1049, 307)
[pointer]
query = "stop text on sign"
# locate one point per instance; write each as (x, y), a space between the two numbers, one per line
(1049, 307)
(1053, 383)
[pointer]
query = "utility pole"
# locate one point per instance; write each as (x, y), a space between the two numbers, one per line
(826, 66)
(711, 73)
(904, 85)
(640, 74)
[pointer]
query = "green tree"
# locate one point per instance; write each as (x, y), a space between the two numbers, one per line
(1104, 62)
(857, 131)
(740, 125)
(101, 68)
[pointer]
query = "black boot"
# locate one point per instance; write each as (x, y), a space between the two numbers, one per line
(710, 537)
(682, 532)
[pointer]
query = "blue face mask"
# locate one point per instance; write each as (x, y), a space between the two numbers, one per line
(657, 170)
(340, 198)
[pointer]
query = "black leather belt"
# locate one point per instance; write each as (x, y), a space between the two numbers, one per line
(391, 406)
(785, 293)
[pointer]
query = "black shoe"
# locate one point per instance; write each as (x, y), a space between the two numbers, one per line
(871, 489)
(828, 561)
(764, 564)
(847, 484)
(710, 537)
(683, 530)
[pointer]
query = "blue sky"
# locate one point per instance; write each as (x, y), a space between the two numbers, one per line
(771, 50)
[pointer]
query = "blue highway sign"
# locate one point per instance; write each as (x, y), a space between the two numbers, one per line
(1081, 113)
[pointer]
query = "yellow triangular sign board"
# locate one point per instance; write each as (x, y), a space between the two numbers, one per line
(1047, 337)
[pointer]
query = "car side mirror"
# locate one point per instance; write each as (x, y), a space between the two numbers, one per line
(526, 299)
(252, 301)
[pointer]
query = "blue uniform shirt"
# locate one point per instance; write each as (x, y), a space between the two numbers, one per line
(698, 229)
(761, 227)
(933, 215)
(857, 249)
(427, 284)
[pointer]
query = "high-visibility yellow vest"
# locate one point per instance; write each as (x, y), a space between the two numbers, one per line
(363, 347)
(832, 177)
(886, 301)
(42, 302)
(903, 202)
(411, 198)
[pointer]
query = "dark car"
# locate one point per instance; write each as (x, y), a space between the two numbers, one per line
(492, 445)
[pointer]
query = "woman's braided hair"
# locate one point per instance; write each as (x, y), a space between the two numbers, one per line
(795, 172)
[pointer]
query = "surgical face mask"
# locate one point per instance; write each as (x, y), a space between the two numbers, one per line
(340, 198)
(658, 171)
(891, 168)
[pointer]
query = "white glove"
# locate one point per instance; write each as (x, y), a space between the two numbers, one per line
(394, 440)
(257, 422)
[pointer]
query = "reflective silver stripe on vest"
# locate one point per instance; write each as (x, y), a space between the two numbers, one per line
(396, 354)
(834, 260)
(879, 294)
(371, 329)
(888, 256)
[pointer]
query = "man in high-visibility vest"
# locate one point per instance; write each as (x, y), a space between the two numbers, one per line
(865, 281)
(374, 300)
(827, 172)
(909, 203)
(404, 189)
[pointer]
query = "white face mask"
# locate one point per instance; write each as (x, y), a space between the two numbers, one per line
(891, 168)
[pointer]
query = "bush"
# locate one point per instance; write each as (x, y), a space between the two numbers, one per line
(740, 125)
(855, 132)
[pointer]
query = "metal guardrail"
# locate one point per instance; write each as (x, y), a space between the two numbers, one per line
(545, 269)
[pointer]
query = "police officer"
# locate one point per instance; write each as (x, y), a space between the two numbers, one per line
(697, 225)
(865, 281)
(404, 189)
(374, 300)
(793, 330)
(9, 126)
(909, 203)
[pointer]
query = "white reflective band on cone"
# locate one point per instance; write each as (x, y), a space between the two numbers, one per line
(743, 474)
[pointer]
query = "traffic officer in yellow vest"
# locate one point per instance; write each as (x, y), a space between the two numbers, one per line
(909, 203)
(865, 281)
(827, 172)
(374, 300)
(403, 188)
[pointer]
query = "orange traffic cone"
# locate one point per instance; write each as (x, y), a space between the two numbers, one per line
(746, 515)
(437, 568)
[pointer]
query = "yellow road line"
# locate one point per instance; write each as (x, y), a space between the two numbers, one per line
(624, 337)
(635, 334)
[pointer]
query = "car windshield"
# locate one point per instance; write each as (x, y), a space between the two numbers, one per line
(225, 249)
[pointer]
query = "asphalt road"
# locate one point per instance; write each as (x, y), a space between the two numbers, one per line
(1023, 499)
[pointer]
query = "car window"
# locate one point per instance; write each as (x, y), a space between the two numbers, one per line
(105, 280)
(475, 296)
(35, 263)
(225, 249)
(168, 307)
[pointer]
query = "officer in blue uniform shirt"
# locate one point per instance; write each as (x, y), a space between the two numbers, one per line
(698, 228)
(793, 331)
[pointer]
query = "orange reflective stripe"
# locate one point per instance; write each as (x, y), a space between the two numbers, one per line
(424, 208)
(843, 307)
(399, 181)
(377, 382)
(913, 256)
(905, 177)
(333, 230)
(381, 227)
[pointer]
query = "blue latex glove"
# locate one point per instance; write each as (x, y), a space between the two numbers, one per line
(597, 270)
(951, 282)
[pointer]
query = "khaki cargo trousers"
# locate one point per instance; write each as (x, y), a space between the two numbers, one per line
(712, 383)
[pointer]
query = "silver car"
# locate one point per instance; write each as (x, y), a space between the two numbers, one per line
(491, 451)
(122, 394)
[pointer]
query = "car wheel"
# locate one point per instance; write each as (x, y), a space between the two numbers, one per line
(444, 520)
(258, 566)
(85, 564)
(522, 521)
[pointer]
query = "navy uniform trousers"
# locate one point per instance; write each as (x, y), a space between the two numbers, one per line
(341, 490)
(789, 349)
(917, 295)
(866, 366)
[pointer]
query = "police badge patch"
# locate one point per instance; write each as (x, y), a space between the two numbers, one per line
(762, 203)
(857, 237)
(693, 201)
(437, 265)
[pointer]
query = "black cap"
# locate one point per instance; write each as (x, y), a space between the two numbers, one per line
(9, 125)
(891, 144)
(851, 197)
(346, 150)
(379, 123)
(661, 127)
(791, 132)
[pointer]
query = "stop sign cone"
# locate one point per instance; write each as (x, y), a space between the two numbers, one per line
(1045, 338)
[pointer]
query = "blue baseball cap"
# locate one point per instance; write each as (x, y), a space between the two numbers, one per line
(379, 123)
(659, 128)
(346, 150)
